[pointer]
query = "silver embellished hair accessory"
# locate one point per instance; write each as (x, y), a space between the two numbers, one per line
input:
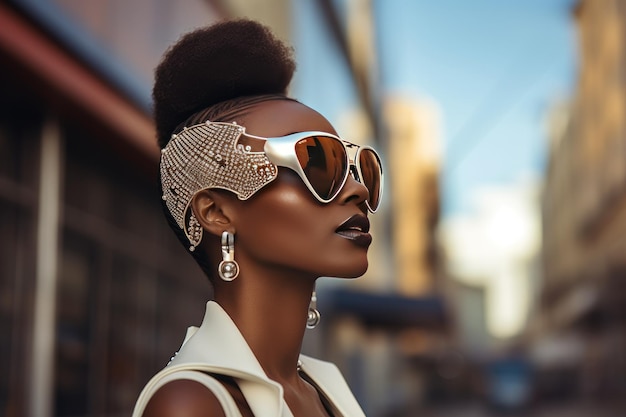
(208, 155)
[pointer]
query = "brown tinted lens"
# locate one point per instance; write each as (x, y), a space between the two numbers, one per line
(324, 162)
(371, 173)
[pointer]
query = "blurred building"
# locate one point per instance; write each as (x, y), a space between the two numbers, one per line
(413, 154)
(580, 328)
(89, 306)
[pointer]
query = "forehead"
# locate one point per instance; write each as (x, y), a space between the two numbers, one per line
(282, 117)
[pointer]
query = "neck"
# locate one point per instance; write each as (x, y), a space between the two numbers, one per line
(270, 311)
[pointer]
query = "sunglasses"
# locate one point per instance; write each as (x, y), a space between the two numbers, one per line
(323, 162)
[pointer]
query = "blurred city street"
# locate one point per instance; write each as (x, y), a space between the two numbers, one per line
(561, 410)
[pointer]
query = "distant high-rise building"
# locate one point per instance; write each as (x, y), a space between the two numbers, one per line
(413, 177)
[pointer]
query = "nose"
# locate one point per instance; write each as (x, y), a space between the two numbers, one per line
(353, 191)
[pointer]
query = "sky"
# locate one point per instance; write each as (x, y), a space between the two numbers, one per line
(495, 68)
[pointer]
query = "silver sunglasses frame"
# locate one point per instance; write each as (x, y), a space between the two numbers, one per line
(281, 151)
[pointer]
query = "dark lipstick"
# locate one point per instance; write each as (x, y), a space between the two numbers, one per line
(356, 229)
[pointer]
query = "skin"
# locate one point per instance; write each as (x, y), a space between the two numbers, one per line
(284, 240)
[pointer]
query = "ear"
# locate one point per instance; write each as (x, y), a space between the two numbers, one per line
(208, 208)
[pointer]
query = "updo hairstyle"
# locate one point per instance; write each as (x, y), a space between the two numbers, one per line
(215, 73)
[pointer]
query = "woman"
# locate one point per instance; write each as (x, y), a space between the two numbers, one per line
(266, 197)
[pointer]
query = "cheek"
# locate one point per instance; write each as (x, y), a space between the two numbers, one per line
(284, 217)
(289, 200)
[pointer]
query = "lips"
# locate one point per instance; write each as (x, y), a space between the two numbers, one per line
(356, 229)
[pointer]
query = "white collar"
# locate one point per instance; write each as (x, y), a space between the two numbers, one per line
(218, 346)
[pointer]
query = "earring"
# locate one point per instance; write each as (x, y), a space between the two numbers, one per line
(313, 317)
(228, 269)
(194, 232)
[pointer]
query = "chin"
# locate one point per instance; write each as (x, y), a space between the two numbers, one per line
(353, 271)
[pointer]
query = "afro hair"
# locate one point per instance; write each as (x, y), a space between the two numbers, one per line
(221, 62)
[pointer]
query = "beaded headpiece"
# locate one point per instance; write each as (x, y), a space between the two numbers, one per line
(208, 155)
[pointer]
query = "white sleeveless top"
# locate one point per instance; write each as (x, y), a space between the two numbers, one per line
(218, 347)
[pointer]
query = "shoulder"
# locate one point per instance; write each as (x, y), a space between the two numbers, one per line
(183, 398)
